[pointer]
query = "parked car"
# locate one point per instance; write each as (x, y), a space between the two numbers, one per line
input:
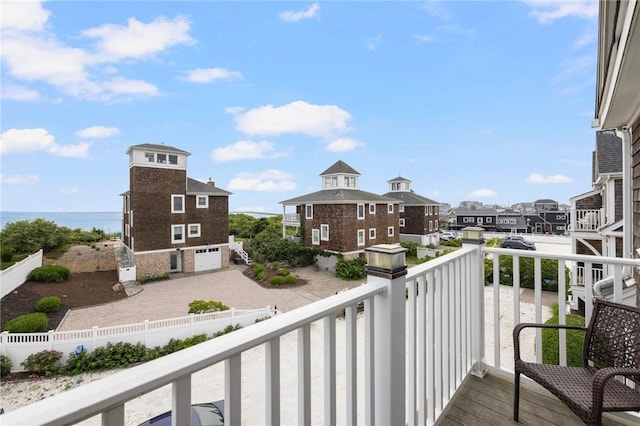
(205, 414)
(446, 236)
(517, 242)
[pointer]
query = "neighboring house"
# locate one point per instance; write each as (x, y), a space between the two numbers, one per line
(555, 222)
(550, 222)
(172, 223)
(482, 217)
(419, 216)
(341, 218)
(618, 107)
(596, 216)
(545, 204)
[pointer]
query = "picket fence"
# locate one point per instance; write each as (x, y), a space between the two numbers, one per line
(18, 346)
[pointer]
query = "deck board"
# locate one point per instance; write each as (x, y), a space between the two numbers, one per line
(489, 401)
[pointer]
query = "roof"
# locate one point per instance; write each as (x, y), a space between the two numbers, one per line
(608, 152)
(399, 179)
(339, 196)
(157, 147)
(545, 201)
(466, 212)
(410, 198)
(197, 187)
(340, 167)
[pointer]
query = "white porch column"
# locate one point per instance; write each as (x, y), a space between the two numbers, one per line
(386, 263)
(474, 237)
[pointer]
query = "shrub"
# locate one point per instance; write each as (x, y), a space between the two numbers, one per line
(456, 242)
(29, 323)
(277, 280)
(49, 274)
(575, 340)
(45, 363)
(290, 279)
(5, 365)
(48, 304)
(146, 278)
(283, 272)
(351, 269)
(204, 307)
(412, 248)
(109, 356)
(228, 329)
(6, 253)
(261, 276)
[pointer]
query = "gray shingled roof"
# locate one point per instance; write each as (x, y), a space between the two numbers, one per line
(399, 179)
(339, 196)
(197, 187)
(608, 152)
(157, 147)
(479, 212)
(410, 198)
(340, 167)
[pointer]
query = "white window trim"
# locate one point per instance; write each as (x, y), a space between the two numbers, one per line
(358, 211)
(322, 232)
(189, 230)
(402, 222)
(173, 240)
(372, 208)
(206, 201)
(308, 208)
(173, 196)
(315, 237)
(390, 208)
(401, 208)
(372, 233)
(361, 241)
(390, 231)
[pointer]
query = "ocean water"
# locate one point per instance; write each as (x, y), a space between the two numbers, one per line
(109, 222)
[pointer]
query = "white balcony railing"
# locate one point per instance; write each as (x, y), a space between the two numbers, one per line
(291, 218)
(405, 356)
(586, 220)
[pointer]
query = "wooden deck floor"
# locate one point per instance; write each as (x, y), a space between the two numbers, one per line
(489, 401)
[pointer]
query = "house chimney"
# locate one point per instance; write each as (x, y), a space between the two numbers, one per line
(211, 183)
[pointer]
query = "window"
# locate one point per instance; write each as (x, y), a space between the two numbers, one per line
(162, 158)
(395, 186)
(350, 182)
(202, 202)
(126, 229)
(480, 220)
(489, 220)
(308, 211)
(401, 208)
(315, 237)
(194, 230)
(131, 218)
(360, 211)
(512, 221)
(436, 210)
(437, 225)
(173, 159)
(372, 209)
(177, 234)
(465, 219)
(390, 208)
(150, 157)
(327, 183)
(177, 203)
(560, 227)
(430, 226)
(390, 231)
(402, 222)
(360, 237)
(324, 232)
(560, 217)
(372, 233)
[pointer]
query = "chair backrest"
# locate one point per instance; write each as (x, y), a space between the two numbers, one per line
(613, 336)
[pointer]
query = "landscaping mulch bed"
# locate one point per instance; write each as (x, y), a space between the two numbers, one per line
(248, 272)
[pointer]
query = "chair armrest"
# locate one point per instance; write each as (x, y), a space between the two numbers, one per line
(605, 374)
(519, 327)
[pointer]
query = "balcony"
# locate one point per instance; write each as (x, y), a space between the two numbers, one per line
(427, 345)
(291, 219)
(586, 220)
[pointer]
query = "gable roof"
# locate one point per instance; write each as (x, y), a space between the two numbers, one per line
(339, 196)
(399, 179)
(410, 198)
(340, 167)
(157, 147)
(608, 152)
(197, 187)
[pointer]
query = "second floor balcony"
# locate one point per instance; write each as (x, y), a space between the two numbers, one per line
(586, 220)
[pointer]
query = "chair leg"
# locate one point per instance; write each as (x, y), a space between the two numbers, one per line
(516, 396)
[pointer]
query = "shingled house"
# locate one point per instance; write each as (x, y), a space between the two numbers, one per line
(342, 218)
(419, 215)
(172, 223)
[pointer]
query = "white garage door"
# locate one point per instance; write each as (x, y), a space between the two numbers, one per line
(206, 259)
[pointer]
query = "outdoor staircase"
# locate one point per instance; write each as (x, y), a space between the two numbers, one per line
(239, 249)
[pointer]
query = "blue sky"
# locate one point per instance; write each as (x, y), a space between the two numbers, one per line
(471, 100)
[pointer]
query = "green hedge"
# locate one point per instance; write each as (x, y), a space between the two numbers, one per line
(29, 323)
(575, 340)
(49, 274)
(353, 269)
(5, 365)
(48, 304)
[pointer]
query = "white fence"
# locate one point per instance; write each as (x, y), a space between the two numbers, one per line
(14, 276)
(18, 346)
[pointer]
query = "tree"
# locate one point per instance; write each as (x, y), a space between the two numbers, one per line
(30, 236)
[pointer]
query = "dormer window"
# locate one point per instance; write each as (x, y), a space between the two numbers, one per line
(162, 158)
(150, 157)
(173, 159)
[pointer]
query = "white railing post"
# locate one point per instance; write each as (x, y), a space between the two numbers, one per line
(473, 237)
(386, 263)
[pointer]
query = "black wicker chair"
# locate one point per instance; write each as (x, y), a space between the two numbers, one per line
(611, 349)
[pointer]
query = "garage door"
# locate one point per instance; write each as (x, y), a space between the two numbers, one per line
(207, 259)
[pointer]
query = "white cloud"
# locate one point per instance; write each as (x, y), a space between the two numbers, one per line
(373, 43)
(139, 40)
(575, 67)
(437, 10)
(424, 38)
(267, 181)
(26, 141)
(98, 132)
(483, 193)
(343, 144)
(295, 117)
(23, 16)
(19, 179)
(547, 11)
(245, 150)
(209, 75)
(291, 16)
(586, 39)
(19, 93)
(234, 110)
(539, 178)
(72, 190)
(123, 86)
